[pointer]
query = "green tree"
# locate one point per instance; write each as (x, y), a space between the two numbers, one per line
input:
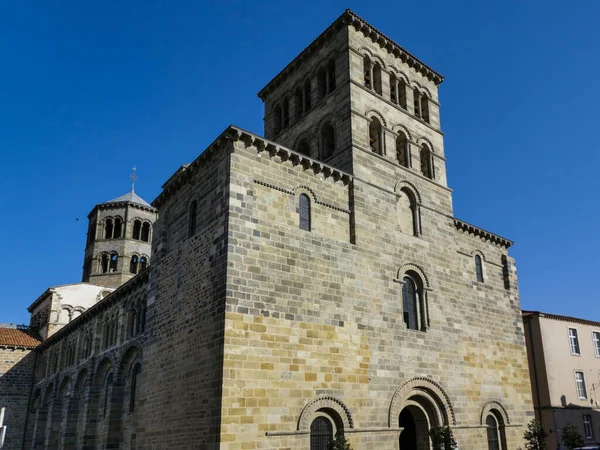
(571, 436)
(443, 438)
(340, 443)
(535, 436)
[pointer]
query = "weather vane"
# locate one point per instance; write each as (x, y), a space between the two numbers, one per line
(133, 177)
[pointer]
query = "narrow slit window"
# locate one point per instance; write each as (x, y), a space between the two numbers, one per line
(479, 268)
(304, 207)
(192, 219)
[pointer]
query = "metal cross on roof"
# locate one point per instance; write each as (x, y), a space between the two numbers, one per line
(133, 177)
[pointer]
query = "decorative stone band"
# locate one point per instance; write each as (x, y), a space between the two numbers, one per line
(483, 234)
(290, 192)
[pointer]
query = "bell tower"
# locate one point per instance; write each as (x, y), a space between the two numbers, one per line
(119, 240)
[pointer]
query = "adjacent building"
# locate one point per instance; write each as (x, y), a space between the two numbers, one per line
(307, 284)
(564, 363)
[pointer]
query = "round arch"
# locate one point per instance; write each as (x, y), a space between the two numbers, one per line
(411, 267)
(429, 395)
(312, 408)
(372, 112)
(407, 185)
(496, 408)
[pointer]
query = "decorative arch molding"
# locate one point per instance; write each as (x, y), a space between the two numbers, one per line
(407, 267)
(423, 140)
(366, 52)
(494, 405)
(425, 388)
(81, 380)
(399, 127)
(399, 74)
(303, 189)
(328, 118)
(304, 136)
(131, 355)
(105, 365)
(309, 412)
(372, 112)
(410, 186)
(478, 252)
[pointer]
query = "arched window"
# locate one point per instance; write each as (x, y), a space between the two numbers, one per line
(479, 268)
(146, 232)
(367, 72)
(304, 212)
(426, 163)
(493, 435)
(143, 263)
(402, 93)
(108, 229)
(133, 264)
(425, 108)
(402, 155)
(192, 218)
(277, 122)
(327, 140)
(298, 104)
(409, 304)
(137, 228)
(321, 84)
(104, 263)
(114, 261)
(393, 88)
(303, 147)
(307, 96)
(118, 227)
(417, 102)
(377, 78)
(137, 369)
(105, 401)
(330, 76)
(408, 213)
(286, 113)
(321, 434)
(375, 136)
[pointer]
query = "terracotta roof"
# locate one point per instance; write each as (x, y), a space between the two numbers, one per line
(18, 336)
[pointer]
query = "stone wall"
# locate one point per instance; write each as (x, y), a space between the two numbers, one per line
(16, 377)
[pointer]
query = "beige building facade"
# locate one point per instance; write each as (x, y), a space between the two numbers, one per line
(564, 363)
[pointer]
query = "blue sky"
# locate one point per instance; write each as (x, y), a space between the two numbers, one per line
(89, 89)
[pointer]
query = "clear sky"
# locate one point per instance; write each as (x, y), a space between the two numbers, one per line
(90, 89)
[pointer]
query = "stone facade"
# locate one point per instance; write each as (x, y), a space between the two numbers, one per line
(309, 284)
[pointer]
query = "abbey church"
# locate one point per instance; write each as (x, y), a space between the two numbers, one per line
(287, 289)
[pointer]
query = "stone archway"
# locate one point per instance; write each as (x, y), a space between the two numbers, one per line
(418, 406)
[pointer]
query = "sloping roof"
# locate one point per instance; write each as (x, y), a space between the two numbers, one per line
(559, 317)
(130, 197)
(18, 336)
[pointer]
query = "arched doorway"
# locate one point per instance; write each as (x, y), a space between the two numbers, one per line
(419, 406)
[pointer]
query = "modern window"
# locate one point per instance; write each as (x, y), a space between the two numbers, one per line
(596, 339)
(574, 341)
(580, 381)
(192, 219)
(304, 212)
(493, 436)
(321, 434)
(588, 430)
(479, 268)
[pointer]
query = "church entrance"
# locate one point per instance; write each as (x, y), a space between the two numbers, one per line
(415, 435)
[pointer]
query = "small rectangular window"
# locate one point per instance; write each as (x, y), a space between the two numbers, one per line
(574, 341)
(596, 338)
(580, 380)
(587, 426)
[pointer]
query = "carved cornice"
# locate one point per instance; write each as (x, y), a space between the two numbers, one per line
(346, 19)
(483, 234)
